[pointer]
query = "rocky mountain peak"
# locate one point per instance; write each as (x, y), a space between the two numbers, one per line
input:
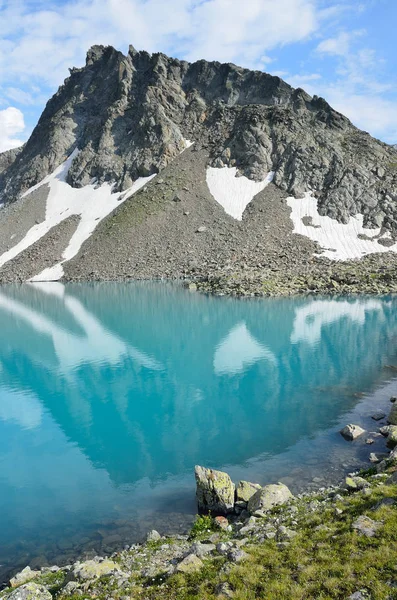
(130, 116)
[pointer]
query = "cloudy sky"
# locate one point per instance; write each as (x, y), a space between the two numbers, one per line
(344, 50)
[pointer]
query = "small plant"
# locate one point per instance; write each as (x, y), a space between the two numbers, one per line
(202, 525)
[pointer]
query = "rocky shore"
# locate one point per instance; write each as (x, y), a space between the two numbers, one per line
(254, 542)
(374, 275)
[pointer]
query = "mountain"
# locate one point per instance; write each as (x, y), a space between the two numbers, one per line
(147, 166)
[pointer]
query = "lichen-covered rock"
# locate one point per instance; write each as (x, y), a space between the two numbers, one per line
(190, 564)
(92, 569)
(366, 526)
(392, 418)
(153, 536)
(246, 489)
(391, 441)
(30, 591)
(355, 483)
(214, 491)
(23, 577)
(269, 496)
(351, 432)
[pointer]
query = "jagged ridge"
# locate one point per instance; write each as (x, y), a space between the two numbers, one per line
(129, 117)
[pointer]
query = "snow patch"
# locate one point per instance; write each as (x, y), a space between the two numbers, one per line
(234, 193)
(339, 241)
(91, 203)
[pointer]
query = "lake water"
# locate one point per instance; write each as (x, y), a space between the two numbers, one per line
(111, 393)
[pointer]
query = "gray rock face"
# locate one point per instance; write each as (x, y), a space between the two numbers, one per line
(214, 491)
(130, 116)
(269, 496)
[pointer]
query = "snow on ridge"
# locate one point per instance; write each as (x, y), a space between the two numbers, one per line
(339, 241)
(234, 193)
(92, 203)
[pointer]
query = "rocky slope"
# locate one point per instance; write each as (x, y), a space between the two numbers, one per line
(128, 117)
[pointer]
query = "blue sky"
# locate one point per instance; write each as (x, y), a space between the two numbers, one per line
(343, 50)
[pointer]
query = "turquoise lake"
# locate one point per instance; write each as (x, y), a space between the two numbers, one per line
(111, 393)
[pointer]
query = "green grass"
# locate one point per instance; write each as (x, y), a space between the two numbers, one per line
(326, 560)
(202, 527)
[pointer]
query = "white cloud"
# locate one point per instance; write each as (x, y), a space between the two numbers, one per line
(339, 45)
(11, 124)
(367, 111)
(42, 44)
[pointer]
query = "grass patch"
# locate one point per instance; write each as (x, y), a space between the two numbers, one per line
(327, 559)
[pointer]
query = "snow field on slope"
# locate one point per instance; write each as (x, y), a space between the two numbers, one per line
(231, 192)
(92, 203)
(339, 241)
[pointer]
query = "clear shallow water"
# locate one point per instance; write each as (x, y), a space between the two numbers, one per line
(111, 393)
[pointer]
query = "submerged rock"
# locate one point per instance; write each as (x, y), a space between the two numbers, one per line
(378, 415)
(269, 496)
(214, 491)
(351, 432)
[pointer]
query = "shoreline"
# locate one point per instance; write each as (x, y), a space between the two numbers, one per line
(215, 549)
(160, 551)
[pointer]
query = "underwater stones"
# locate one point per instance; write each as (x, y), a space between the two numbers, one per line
(375, 457)
(378, 415)
(392, 418)
(245, 490)
(30, 591)
(214, 491)
(269, 496)
(351, 432)
(23, 577)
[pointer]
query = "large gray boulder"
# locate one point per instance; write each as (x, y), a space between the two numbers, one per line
(269, 496)
(214, 491)
(351, 432)
(30, 591)
(23, 577)
(246, 489)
